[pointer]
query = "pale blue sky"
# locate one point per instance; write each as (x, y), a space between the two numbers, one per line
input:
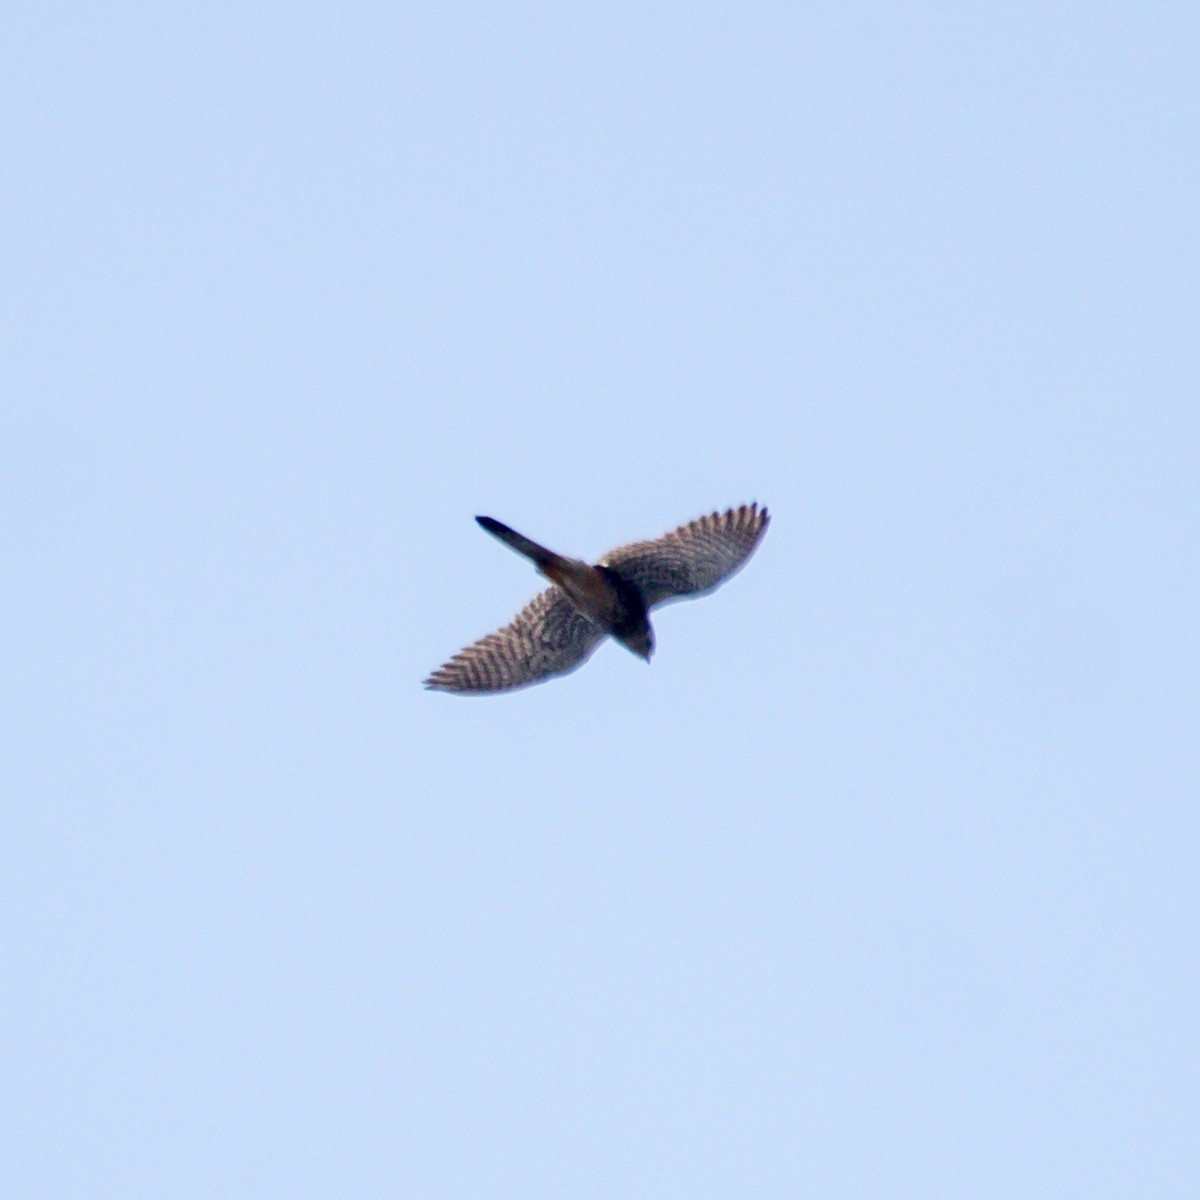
(880, 881)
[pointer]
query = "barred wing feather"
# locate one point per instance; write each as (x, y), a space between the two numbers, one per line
(549, 636)
(693, 559)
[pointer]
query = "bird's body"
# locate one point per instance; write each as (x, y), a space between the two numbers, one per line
(600, 593)
(560, 628)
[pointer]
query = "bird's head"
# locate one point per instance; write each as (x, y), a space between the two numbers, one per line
(641, 642)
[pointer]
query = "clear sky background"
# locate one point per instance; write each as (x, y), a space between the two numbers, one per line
(882, 879)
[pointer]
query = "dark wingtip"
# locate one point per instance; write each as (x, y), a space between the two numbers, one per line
(490, 524)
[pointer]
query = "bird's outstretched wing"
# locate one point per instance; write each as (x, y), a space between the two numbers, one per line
(695, 558)
(549, 636)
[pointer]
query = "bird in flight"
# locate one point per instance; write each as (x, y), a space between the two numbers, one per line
(559, 629)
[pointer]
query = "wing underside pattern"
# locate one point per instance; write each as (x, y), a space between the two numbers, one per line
(549, 636)
(693, 559)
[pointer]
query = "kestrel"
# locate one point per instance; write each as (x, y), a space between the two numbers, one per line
(558, 630)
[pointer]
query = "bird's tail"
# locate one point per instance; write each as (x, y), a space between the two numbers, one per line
(545, 559)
